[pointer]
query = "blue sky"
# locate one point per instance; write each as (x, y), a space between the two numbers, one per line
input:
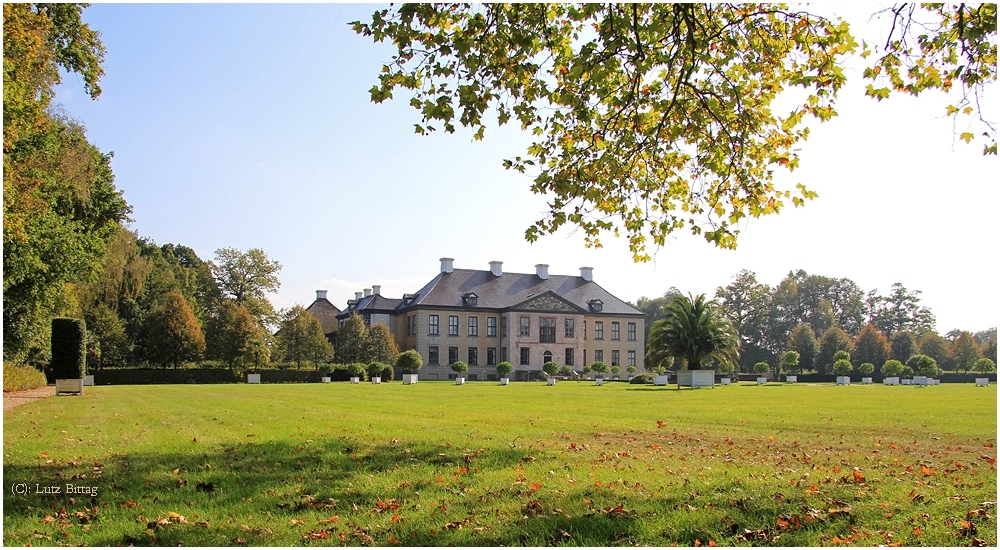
(250, 126)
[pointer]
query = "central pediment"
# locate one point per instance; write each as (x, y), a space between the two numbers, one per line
(547, 301)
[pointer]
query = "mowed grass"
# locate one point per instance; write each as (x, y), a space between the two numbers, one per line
(526, 464)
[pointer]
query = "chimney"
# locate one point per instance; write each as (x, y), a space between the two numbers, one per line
(368, 292)
(447, 265)
(542, 270)
(376, 289)
(496, 268)
(587, 273)
(321, 295)
(357, 295)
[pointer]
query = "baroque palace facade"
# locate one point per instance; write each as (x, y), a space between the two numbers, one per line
(486, 317)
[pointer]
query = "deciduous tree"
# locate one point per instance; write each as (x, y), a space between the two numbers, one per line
(229, 332)
(246, 277)
(963, 352)
(354, 343)
(301, 338)
(904, 345)
(383, 345)
(871, 346)
(832, 341)
(803, 341)
(935, 347)
(170, 333)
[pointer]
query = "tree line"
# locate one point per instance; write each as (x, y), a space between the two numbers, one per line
(817, 316)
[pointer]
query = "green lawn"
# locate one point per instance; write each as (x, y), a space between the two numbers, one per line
(525, 464)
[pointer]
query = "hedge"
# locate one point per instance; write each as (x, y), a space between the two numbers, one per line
(21, 377)
(69, 348)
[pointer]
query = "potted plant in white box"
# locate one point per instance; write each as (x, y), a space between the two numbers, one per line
(983, 365)
(600, 368)
(866, 369)
(69, 354)
(842, 367)
(790, 360)
(374, 370)
(504, 369)
(761, 368)
(356, 371)
(694, 329)
(726, 370)
(907, 374)
(460, 368)
(615, 371)
(324, 371)
(550, 369)
(891, 370)
(924, 368)
(631, 369)
(410, 362)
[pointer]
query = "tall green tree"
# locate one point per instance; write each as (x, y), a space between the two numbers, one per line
(695, 330)
(803, 341)
(650, 118)
(354, 342)
(301, 338)
(934, 346)
(230, 332)
(170, 333)
(383, 345)
(963, 352)
(904, 345)
(747, 304)
(871, 346)
(246, 277)
(832, 341)
(900, 310)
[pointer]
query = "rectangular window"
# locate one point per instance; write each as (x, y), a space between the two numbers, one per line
(615, 357)
(491, 356)
(473, 356)
(525, 326)
(631, 332)
(616, 330)
(631, 358)
(598, 330)
(525, 356)
(503, 354)
(409, 324)
(503, 327)
(585, 356)
(585, 330)
(453, 325)
(491, 326)
(569, 328)
(432, 355)
(452, 354)
(569, 357)
(473, 326)
(432, 325)
(598, 355)
(413, 325)
(547, 330)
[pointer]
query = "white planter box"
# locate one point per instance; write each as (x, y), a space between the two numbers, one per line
(843, 380)
(88, 380)
(982, 381)
(409, 379)
(906, 381)
(792, 379)
(459, 381)
(661, 379)
(696, 378)
(935, 381)
(69, 385)
(325, 379)
(504, 381)
(726, 381)
(761, 380)
(551, 381)
(891, 381)
(921, 381)
(253, 379)
(376, 379)
(599, 381)
(355, 379)
(866, 380)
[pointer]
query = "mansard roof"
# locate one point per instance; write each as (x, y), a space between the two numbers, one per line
(516, 291)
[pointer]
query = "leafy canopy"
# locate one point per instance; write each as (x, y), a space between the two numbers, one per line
(694, 330)
(649, 118)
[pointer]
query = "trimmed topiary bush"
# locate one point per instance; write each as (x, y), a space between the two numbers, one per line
(866, 369)
(983, 365)
(642, 378)
(357, 370)
(892, 368)
(566, 370)
(600, 367)
(842, 367)
(375, 369)
(460, 367)
(69, 348)
(505, 368)
(550, 368)
(410, 361)
(761, 367)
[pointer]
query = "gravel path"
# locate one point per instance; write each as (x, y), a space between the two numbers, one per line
(14, 399)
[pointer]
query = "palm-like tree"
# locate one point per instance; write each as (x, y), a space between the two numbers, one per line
(694, 330)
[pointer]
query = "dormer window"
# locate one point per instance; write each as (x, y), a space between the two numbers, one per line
(408, 299)
(470, 299)
(596, 305)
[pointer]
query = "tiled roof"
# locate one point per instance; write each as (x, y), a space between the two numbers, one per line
(372, 303)
(326, 313)
(511, 289)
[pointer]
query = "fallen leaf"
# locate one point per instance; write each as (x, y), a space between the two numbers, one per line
(536, 486)
(858, 476)
(659, 423)
(925, 470)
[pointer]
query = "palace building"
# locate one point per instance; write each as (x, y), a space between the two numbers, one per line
(484, 317)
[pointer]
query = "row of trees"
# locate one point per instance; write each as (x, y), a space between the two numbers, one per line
(817, 315)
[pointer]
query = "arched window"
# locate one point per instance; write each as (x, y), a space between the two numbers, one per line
(547, 356)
